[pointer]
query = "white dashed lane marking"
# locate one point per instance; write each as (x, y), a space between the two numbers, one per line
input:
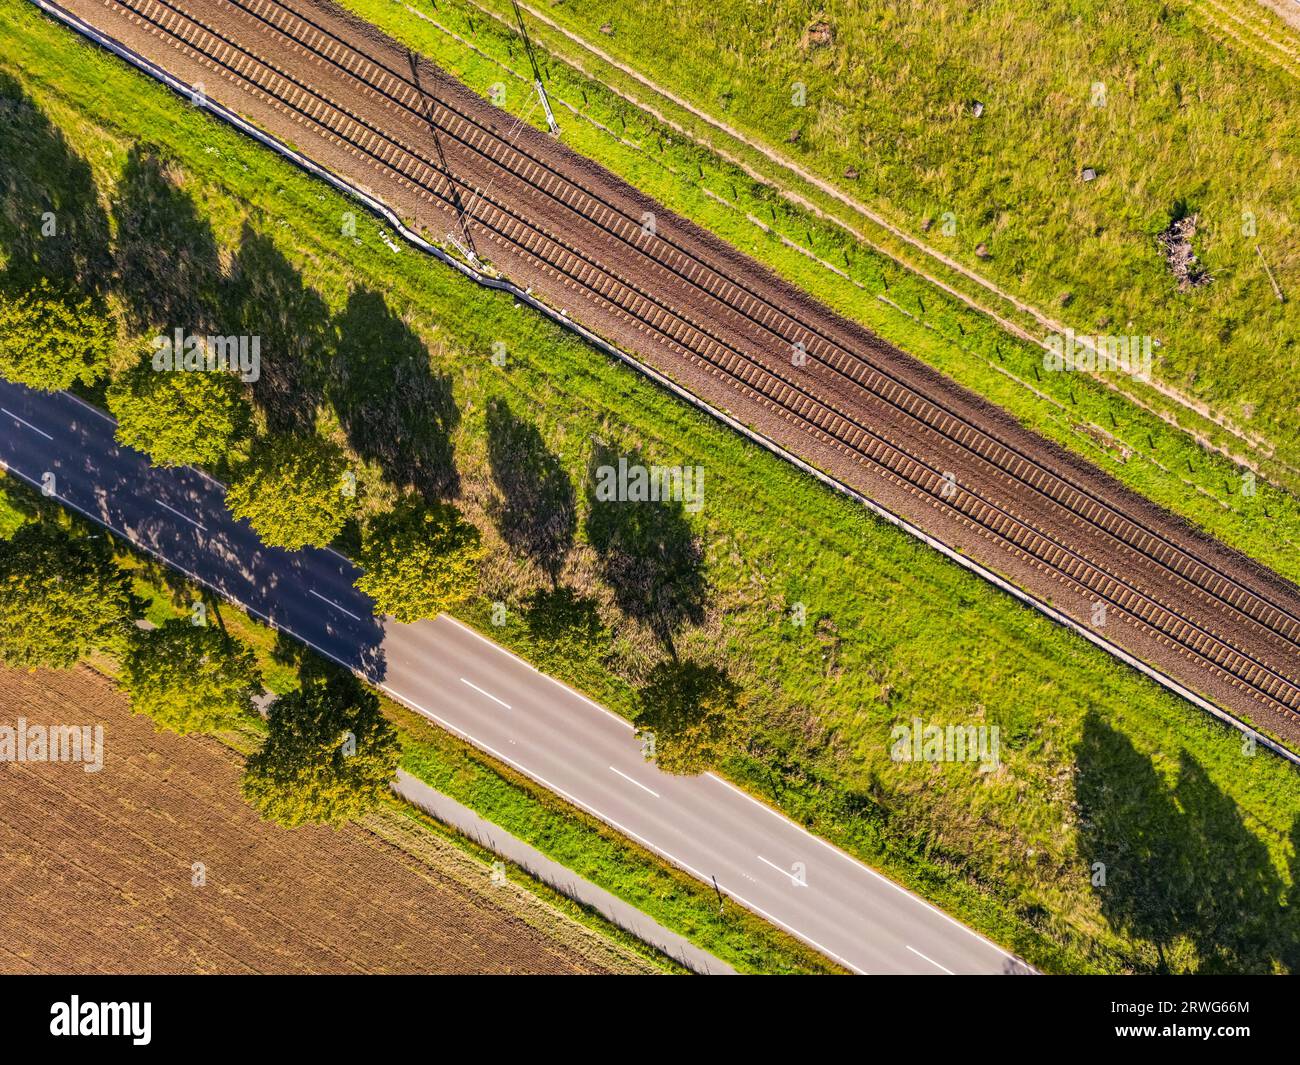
(184, 517)
(631, 780)
(784, 872)
(471, 684)
(930, 960)
(335, 605)
(23, 421)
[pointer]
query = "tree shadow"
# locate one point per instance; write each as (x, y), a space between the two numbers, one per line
(1235, 912)
(168, 265)
(1178, 862)
(396, 411)
(316, 669)
(52, 223)
(537, 514)
(289, 652)
(562, 624)
(1291, 950)
(266, 298)
(649, 554)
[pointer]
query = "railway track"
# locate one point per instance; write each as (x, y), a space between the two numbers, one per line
(1244, 633)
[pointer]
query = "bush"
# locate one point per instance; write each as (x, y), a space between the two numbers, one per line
(190, 678)
(61, 597)
(419, 561)
(179, 417)
(329, 756)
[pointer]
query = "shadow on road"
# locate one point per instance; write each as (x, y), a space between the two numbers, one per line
(117, 486)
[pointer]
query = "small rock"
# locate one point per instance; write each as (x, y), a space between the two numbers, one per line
(1089, 174)
(794, 137)
(982, 251)
(851, 173)
(977, 109)
(607, 30)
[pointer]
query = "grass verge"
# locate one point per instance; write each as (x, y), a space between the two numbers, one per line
(891, 631)
(1179, 456)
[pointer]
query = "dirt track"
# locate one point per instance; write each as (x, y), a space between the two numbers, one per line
(727, 329)
(96, 870)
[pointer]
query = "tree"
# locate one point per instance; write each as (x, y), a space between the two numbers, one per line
(190, 678)
(419, 561)
(60, 597)
(293, 492)
(50, 339)
(178, 417)
(329, 755)
(693, 712)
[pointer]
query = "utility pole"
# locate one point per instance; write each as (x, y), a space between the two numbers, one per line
(537, 73)
(467, 249)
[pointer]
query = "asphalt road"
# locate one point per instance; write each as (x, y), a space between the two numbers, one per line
(473, 687)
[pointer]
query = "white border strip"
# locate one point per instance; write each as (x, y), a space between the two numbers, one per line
(384, 211)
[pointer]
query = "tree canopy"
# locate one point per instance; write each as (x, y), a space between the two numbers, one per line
(190, 678)
(178, 417)
(50, 339)
(418, 561)
(60, 597)
(293, 491)
(329, 755)
(693, 712)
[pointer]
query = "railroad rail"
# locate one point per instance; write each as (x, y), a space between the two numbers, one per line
(743, 337)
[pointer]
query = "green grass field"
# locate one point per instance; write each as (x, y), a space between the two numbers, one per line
(1172, 118)
(1179, 456)
(1096, 762)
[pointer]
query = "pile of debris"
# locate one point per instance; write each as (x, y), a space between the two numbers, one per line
(818, 35)
(1177, 244)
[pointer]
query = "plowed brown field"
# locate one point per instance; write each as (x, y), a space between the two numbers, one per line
(96, 870)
